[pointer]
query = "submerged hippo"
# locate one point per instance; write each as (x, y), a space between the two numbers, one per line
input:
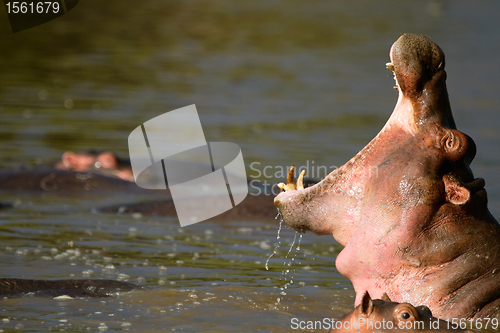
(383, 315)
(88, 170)
(412, 218)
(10, 287)
(102, 162)
(93, 171)
(55, 180)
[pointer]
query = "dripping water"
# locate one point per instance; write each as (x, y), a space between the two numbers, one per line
(286, 263)
(277, 237)
(289, 263)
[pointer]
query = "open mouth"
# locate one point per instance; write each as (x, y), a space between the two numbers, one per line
(390, 66)
(292, 187)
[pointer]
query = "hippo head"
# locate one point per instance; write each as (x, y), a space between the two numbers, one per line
(400, 202)
(383, 315)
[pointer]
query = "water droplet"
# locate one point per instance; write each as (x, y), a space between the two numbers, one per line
(277, 246)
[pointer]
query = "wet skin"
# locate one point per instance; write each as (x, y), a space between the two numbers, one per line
(412, 218)
(383, 315)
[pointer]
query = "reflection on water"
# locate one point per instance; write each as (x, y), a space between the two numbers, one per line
(289, 82)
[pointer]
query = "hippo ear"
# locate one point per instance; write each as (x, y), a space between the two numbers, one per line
(69, 160)
(366, 306)
(386, 298)
(456, 192)
(107, 160)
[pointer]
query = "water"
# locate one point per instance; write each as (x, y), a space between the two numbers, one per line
(288, 278)
(279, 242)
(212, 272)
(289, 82)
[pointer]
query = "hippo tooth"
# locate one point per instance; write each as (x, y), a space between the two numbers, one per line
(287, 187)
(300, 183)
(290, 179)
(291, 175)
(290, 183)
(390, 66)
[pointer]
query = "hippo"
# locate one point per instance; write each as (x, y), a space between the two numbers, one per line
(103, 162)
(84, 171)
(55, 180)
(253, 207)
(383, 315)
(407, 208)
(256, 206)
(11, 287)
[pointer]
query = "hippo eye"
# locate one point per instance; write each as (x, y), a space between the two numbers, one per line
(406, 311)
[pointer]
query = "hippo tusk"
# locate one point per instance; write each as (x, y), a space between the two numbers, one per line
(290, 177)
(300, 180)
